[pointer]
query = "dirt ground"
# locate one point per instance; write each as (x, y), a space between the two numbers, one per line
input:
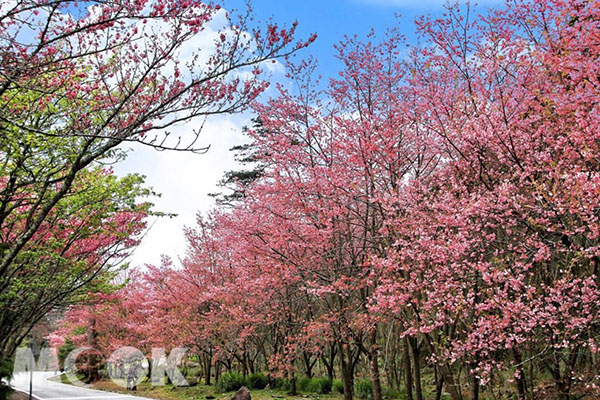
(18, 396)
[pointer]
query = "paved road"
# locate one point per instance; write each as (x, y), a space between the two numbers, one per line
(44, 389)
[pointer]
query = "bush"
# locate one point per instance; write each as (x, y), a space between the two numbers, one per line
(5, 374)
(280, 384)
(194, 371)
(320, 385)
(303, 383)
(257, 380)
(364, 389)
(63, 352)
(338, 386)
(230, 382)
(391, 393)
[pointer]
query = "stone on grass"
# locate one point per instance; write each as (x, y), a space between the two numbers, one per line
(242, 394)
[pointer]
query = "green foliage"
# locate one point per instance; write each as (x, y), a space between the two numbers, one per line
(320, 385)
(257, 380)
(237, 181)
(230, 382)
(73, 253)
(63, 352)
(280, 384)
(196, 371)
(391, 393)
(303, 383)
(5, 374)
(364, 389)
(338, 386)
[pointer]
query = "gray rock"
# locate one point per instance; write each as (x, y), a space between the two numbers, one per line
(242, 394)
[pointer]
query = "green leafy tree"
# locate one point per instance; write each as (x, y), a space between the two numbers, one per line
(77, 249)
(86, 79)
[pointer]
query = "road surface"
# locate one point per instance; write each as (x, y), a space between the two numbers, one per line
(44, 389)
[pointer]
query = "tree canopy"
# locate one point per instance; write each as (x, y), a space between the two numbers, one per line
(435, 213)
(78, 80)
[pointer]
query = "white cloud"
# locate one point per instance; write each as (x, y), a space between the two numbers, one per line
(184, 180)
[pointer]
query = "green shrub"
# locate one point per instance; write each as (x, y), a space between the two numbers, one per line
(303, 383)
(338, 386)
(364, 389)
(257, 380)
(391, 393)
(193, 371)
(230, 382)
(63, 352)
(320, 385)
(5, 374)
(280, 384)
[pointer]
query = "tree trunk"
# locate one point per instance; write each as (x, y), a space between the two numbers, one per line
(451, 385)
(475, 387)
(561, 380)
(446, 372)
(416, 358)
(330, 368)
(566, 382)
(217, 371)
(408, 379)
(389, 372)
(374, 361)
(207, 368)
(330, 365)
(93, 360)
(292, 377)
(308, 364)
(251, 367)
(521, 384)
(439, 384)
(150, 366)
(346, 370)
(244, 364)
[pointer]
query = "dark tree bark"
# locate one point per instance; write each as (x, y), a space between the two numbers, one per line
(207, 367)
(521, 383)
(330, 364)
(408, 379)
(373, 357)
(346, 371)
(416, 359)
(292, 378)
(439, 385)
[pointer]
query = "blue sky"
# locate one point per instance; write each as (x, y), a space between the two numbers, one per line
(332, 19)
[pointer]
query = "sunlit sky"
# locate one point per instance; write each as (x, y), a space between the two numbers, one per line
(185, 180)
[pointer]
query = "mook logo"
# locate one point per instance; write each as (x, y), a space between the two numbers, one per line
(126, 366)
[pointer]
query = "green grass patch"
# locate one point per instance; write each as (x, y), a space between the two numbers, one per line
(201, 391)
